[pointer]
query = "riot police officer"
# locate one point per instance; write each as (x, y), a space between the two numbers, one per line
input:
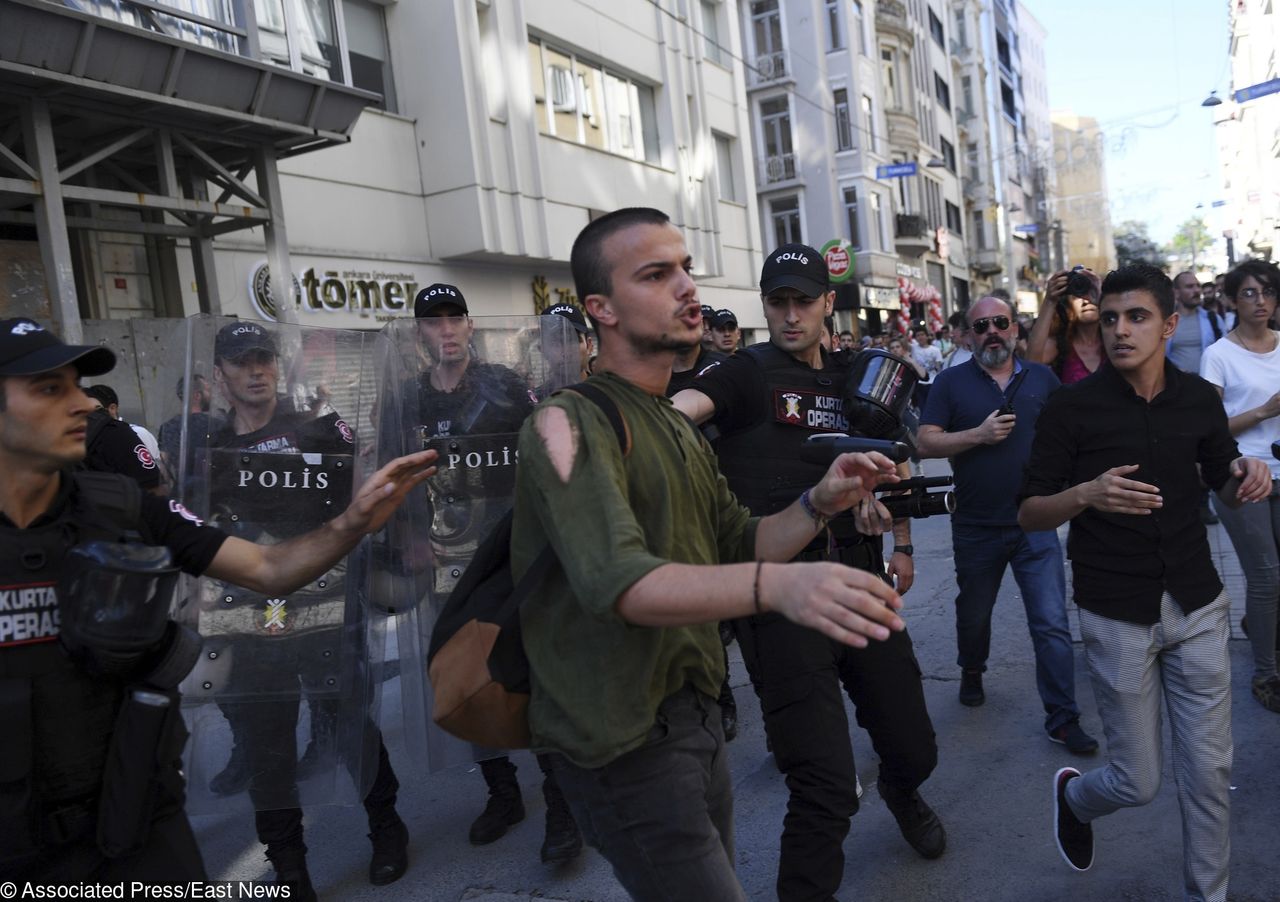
(459, 395)
(765, 400)
(261, 422)
(92, 787)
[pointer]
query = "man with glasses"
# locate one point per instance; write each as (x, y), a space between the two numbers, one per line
(982, 415)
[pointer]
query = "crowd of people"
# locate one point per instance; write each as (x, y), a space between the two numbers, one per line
(1135, 407)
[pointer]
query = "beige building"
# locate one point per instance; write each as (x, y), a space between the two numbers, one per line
(1081, 202)
(1248, 130)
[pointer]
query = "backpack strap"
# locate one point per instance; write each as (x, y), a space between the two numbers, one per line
(115, 496)
(607, 406)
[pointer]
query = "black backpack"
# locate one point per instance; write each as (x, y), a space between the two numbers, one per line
(476, 660)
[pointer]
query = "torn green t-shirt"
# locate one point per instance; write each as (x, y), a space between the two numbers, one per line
(597, 681)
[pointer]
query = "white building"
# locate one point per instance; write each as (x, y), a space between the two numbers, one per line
(1249, 136)
(504, 128)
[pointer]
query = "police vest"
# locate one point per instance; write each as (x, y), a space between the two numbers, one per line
(762, 463)
(58, 720)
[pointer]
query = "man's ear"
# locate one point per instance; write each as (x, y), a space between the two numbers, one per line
(1170, 325)
(600, 307)
(829, 304)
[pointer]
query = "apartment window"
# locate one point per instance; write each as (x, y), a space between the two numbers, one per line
(959, 30)
(966, 93)
(948, 154)
(725, 170)
(1007, 102)
(868, 115)
(844, 130)
(942, 91)
(858, 27)
(935, 29)
(979, 233)
(580, 101)
(851, 217)
(877, 220)
(785, 215)
(955, 222)
(932, 202)
(766, 27)
(889, 70)
(835, 33)
(711, 49)
(775, 124)
(972, 159)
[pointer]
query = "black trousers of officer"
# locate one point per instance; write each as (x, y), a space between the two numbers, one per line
(169, 856)
(798, 674)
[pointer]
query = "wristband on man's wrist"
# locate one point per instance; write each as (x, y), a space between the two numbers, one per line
(806, 502)
(908, 550)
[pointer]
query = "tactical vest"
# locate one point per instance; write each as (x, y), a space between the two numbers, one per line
(58, 720)
(762, 462)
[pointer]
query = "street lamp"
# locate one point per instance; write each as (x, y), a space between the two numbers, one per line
(1212, 100)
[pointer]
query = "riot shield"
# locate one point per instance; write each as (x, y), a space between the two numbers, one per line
(463, 389)
(282, 707)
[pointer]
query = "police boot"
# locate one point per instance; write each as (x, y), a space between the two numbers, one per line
(290, 862)
(919, 824)
(235, 777)
(563, 841)
(504, 809)
(390, 838)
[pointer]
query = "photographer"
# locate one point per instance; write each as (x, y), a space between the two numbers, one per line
(1066, 337)
(765, 400)
(982, 415)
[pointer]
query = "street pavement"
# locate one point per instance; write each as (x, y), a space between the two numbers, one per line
(992, 790)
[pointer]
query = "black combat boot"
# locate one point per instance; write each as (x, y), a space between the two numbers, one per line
(563, 841)
(234, 778)
(390, 838)
(290, 862)
(504, 809)
(919, 825)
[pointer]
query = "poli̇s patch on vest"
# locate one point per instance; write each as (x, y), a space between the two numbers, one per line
(809, 410)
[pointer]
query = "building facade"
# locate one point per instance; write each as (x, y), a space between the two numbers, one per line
(1081, 204)
(1248, 130)
(497, 132)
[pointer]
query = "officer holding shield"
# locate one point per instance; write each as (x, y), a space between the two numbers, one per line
(92, 788)
(765, 400)
(263, 756)
(459, 395)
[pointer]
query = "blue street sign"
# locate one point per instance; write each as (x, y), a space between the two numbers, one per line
(895, 170)
(1029, 228)
(1218, 203)
(1259, 90)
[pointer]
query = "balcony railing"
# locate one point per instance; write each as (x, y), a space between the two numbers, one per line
(781, 168)
(986, 261)
(910, 225)
(770, 67)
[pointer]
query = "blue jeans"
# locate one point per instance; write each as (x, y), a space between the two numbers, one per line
(662, 814)
(982, 553)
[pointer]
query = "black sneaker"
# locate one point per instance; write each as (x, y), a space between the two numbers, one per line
(1267, 692)
(919, 824)
(1073, 837)
(971, 694)
(1077, 741)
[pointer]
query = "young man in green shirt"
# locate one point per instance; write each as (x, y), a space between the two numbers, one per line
(654, 550)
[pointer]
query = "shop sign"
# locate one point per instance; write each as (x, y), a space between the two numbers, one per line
(839, 260)
(384, 295)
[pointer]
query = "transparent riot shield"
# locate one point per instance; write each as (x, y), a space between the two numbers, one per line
(464, 387)
(283, 705)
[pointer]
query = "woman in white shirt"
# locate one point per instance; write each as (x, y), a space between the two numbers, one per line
(1244, 366)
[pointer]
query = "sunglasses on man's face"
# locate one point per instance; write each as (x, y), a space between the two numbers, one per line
(980, 326)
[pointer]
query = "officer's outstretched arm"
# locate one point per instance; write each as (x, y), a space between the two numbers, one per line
(286, 567)
(694, 404)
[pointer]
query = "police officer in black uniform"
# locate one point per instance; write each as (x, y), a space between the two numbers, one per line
(113, 447)
(459, 395)
(246, 360)
(90, 781)
(765, 400)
